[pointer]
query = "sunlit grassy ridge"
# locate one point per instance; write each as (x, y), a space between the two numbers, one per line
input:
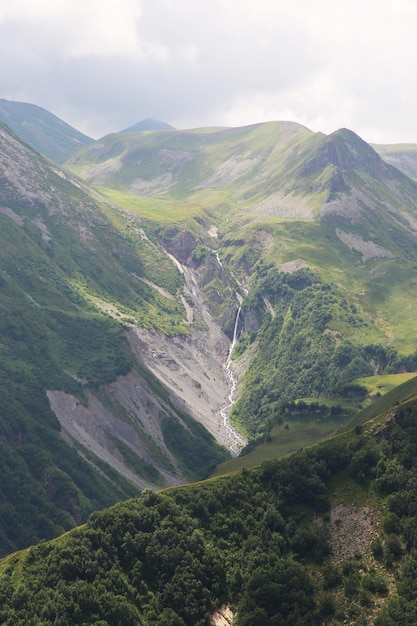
(192, 163)
(300, 430)
(385, 383)
(154, 209)
(402, 394)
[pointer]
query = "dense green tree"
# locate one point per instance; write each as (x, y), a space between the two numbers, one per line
(251, 540)
(301, 353)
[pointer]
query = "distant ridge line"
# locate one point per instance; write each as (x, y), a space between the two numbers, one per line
(148, 124)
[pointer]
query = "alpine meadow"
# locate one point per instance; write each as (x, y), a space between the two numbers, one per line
(208, 376)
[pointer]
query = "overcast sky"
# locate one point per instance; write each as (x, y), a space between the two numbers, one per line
(102, 65)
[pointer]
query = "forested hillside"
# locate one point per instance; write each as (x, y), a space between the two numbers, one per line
(326, 536)
(303, 351)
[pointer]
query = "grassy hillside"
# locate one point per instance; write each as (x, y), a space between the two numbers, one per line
(307, 421)
(281, 193)
(201, 164)
(401, 393)
(283, 203)
(325, 536)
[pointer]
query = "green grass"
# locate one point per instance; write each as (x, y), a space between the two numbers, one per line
(375, 285)
(384, 383)
(402, 393)
(284, 439)
(153, 209)
(300, 432)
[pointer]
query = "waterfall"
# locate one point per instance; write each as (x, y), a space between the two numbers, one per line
(236, 441)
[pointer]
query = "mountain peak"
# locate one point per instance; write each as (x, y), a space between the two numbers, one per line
(148, 124)
(340, 154)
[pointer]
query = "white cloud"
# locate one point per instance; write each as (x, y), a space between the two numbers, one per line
(109, 63)
(84, 27)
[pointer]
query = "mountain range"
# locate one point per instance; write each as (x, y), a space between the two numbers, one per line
(169, 296)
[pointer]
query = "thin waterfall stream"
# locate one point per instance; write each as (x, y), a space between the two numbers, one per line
(236, 441)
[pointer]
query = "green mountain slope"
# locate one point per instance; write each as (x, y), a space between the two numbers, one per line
(326, 536)
(318, 232)
(42, 130)
(118, 313)
(76, 276)
(185, 162)
(301, 244)
(329, 199)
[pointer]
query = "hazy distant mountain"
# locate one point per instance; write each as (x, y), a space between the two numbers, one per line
(401, 155)
(42, 130)
(148, 124)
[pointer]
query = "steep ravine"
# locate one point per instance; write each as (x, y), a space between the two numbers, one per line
(196, 371)
(195, 368)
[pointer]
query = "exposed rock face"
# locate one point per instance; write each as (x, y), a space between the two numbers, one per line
(348, 153)
(191, 368)
(125, 410)
(250, 321)
(25, 176)
(181, 246)
(223, 617)
(351, 531)
(368, 249)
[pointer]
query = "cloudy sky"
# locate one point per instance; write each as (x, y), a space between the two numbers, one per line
(102, 65)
